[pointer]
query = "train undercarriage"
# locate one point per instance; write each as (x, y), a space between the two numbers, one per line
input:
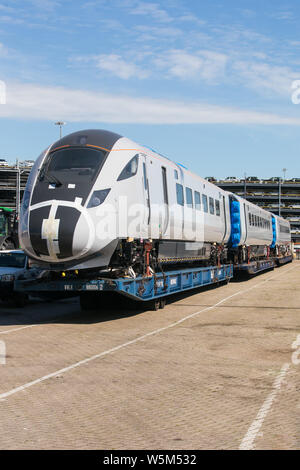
(144, 257)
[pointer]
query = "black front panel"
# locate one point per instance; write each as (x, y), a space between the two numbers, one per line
(68, 217)
(35, 230)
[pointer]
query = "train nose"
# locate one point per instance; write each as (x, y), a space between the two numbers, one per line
(59, 232)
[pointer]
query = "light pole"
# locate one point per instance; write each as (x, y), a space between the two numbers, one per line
(280, 182)
(279, 196)
(245, 184)
(284, 172)
(18, 189)
(60, 124)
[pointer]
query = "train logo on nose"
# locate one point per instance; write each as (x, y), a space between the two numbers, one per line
(50, 228)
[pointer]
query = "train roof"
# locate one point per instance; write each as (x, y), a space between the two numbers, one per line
(97, 137)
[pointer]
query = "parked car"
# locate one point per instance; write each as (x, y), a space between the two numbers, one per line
(231, 179)
(253, 179)
(14, 265)
(210, 178)
(27, 163)
(3, 162)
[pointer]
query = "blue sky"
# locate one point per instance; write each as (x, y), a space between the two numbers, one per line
(207, 83)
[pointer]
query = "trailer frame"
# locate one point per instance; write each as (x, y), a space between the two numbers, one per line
(141, 288)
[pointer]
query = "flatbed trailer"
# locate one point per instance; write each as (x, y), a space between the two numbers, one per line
(154, 288)
(254, 267)
(283, 260)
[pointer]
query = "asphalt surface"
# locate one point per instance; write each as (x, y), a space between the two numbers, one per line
(215, 369)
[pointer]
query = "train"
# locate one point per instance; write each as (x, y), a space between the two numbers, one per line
(96, 201)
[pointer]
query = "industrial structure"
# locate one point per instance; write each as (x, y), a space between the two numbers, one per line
(13, 180)
(281, 197)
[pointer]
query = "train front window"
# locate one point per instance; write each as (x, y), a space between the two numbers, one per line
(78, 162)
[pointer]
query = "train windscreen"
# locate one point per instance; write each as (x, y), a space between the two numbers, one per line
(79, 161)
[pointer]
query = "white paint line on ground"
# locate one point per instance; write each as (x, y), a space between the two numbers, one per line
(6, 332)
(128, 343)
(248, 441)
(12, 330)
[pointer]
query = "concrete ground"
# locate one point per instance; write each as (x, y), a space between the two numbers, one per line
(216, 369)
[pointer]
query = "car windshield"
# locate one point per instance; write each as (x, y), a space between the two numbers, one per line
(12, 260)
(80, 161)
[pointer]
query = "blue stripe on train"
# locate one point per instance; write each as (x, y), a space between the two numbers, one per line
(235, 217)
(274, 232)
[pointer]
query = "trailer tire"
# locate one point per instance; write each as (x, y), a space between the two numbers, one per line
(21, 300)
(87, 301)
(154, 305)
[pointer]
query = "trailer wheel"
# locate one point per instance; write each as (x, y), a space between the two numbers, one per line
(162, 303)
(155, 305)
(21, 300)
(87, 301)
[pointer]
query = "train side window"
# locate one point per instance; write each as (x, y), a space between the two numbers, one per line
(204, 202)
(250, 219)
(179, 194)
(189, 197)
(217, 208)
(211, 206)
(176, 174)
(130, 169)
(197, 201)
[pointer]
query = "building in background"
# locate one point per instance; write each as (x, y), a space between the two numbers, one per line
(274, 194)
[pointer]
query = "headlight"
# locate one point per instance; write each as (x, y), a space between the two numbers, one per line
(7, 277)
(98, 197)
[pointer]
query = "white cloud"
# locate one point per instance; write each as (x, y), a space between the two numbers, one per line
(283, 15)
(157, 33)
(48, 5)
(25, 101)
(3, 50)
(265, 77)
(117, 66)
(207, 65)
(153, 10)
(192, 18)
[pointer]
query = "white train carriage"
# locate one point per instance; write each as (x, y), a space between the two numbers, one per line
(95, 199)
(254, 230)
(283, 237)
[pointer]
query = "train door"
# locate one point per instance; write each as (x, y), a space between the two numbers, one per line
(189, 232)
(146, 192)
(224, 218)
(156, 197)
(177, 208)
(246, 222)
(165, 208)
